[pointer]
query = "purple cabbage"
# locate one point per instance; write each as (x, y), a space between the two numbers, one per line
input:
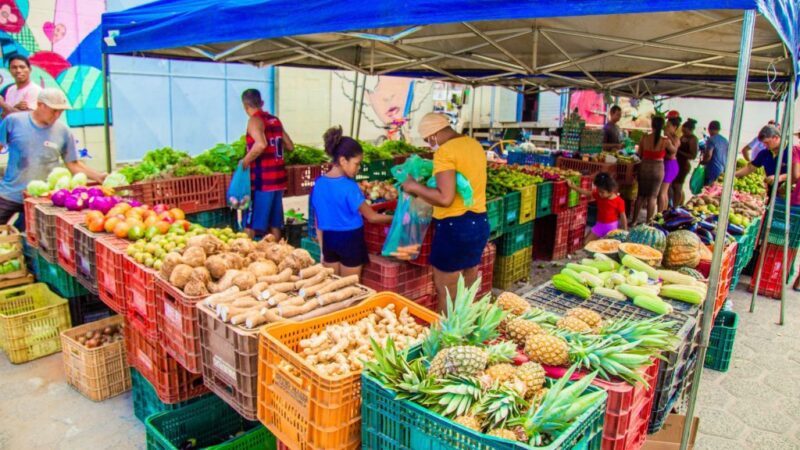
(95, 192)
(74, 203)
(134, 203)
(59, 197)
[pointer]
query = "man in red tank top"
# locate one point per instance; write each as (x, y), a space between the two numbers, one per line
(266, 142)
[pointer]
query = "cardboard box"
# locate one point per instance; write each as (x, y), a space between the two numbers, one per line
(669, 438)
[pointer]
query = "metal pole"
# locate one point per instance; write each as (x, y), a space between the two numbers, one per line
(472, 112)
(786, 125)
(361, 106)
(739, 96)
(106, 113)
(786, 140)
(353, 109)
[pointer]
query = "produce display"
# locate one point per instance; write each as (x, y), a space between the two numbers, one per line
(134, 221)
(403, 148)
(378, 191)
(502, 179)
(375, 153)
(547, 173)
(80, 198)
(101, 337)
(165, 163)
(303, 155)
(150, 251)
(59, 178)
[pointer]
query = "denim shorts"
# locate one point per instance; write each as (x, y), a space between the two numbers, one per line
(345, 247)
(458, 242)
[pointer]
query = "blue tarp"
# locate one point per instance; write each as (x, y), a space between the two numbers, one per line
(180, 23)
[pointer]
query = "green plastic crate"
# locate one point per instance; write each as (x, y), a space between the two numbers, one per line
(146, 401)
(495, 211)
(544, 199)
(744, 251)
(211, 423)
(515, 239)
(777, 232)
(31, 257)
(312, 247)
(510, 269)
(58, 279)
(376, 170)
(720, 343)
(511, 204)
(215, 218)
(574, 197)
(390, 423)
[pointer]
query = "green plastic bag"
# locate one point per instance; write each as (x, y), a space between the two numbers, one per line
(698, 180)
(463, 188)
(415, 167)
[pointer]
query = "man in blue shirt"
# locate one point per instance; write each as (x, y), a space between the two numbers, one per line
(36, 143)
(715, 153)
(751, 151)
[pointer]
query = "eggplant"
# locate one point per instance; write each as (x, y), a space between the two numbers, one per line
(707, 226)
(706, 237)
(735, 229)
(692, 227)
(678, 222)
(683, 211)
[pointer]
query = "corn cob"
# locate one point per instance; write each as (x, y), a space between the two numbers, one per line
(687, 294)
(566, 284)
(610, 293)
(652, 303)
(582, 268)
(634, 263)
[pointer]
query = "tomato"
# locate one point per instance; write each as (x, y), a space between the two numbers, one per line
(166, 216)
(93, 215)
(177, 213)
(111, 222)
(121, 230)
(183, 223)
(162, 226)
(95, 224)
(151, 220)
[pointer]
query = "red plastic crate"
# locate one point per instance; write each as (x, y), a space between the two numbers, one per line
(627, 408)
(587, 168)
(771, 283)
(552, 236)
(191, 194)
(178, 325)
(375, 235)
(560, 196)
(486, 269)
(140, 298)
(29, 211)
(625, 173)
(385, 274)
(65, 239)
(575, 242)
(300, 179)
(580, 217)
(111, 273)
(725, 274)
(173, 383)
(428, 301)
(586, 184)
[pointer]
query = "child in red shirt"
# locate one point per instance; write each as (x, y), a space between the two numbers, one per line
(610, 206)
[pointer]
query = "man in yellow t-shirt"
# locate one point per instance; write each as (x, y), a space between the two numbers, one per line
(460, 232)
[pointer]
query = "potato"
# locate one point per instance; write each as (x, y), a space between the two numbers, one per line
(171, 260)
(262, 268)
(181, 275)
(195, 288)
(194, 256)
(216, 266)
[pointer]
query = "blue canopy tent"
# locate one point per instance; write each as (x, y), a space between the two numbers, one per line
(737, 49)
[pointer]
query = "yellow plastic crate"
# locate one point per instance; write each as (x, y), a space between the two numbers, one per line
(527, 204)
(31, 320)
(513, 268)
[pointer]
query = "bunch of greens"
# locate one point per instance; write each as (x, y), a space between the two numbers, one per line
(222, 158)
(373, 153)
(303, 154)
(401, 148)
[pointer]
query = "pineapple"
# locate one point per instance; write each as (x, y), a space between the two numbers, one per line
(518, 330)
(503, 433)
(512, 303)
(498, 405)
(501, 373)
(456, 396)
(588, 316)
(547, 349)
(571, 323)
(532, 374)
(469, 360)
(469, 421)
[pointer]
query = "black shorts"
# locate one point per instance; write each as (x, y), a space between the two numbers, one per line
(458, 242)
(345, 247)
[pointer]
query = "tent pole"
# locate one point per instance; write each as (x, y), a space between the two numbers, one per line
(739, 96)
(106, 113)
(472, 112)
(786, 141)
(361, 106)
(786, 125)
(353, 109)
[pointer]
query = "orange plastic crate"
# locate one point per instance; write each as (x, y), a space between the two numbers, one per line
(65, 239)
(309, 410)
(140, 298)
(191, 194)
(725, 275)
(178, 325)
(110, 272)
(28, 209)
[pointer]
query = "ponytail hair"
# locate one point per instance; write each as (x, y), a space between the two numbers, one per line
(339, 146)
(657, 124)
(690, 124)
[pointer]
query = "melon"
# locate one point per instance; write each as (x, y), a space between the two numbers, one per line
(643, 253)
(618, 234)
(692, 273)
(683, 250)
(608, 247)
(649, 236)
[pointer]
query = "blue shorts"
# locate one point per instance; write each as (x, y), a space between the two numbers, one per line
(458, 242)
(266, 211)
(345, 247)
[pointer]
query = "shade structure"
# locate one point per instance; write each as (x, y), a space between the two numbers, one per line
(623, 47)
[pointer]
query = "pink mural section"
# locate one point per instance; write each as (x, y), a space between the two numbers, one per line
(590, 106)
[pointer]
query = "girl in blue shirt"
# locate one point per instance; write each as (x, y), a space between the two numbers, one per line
(339, 205)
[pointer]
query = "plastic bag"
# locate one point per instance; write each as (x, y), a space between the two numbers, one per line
(698, 180)
(239, 189)
(463, 188)
(409, 226)
(414, 167)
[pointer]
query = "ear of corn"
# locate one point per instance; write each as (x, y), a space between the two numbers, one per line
(634, 291)
(572, 274)
(591, 280)
(602, 266)
(688, 294)
(582, 268)
(673, 277)
(610, 293)
(634, 263)
(652, 303)
(566, 284)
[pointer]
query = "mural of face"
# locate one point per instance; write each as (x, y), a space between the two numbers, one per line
(388, 99)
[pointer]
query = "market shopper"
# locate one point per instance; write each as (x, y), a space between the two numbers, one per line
(610, 206)
(612, 135)
(35, 142)
(770, 136)
(754, 147)
(339, 205)
(23, 94)
(460, 232)
(715, 153)
(651, 171)
(670, 143)
(687, 152)
(266, 142)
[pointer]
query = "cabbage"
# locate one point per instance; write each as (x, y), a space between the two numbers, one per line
(56, 175)
(115, 179)
(38, 188)
(62, 183)
(74, 203)
(95, 192)
(59, 197)
(79, 179)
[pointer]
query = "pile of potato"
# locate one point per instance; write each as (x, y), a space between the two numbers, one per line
(101, 337)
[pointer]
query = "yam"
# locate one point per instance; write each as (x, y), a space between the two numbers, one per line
(221, 296)
(195, 288)
(225, 282)
(320, 276)
(233, 260)
(244, 280)
(338, 284)
(171, 260)
(309, 272)
(281, 277)
(210, 244)
(180, 275)
(242, 246)
(273, 300)
(338, 295)
(216, 266)
(201, 275)
(262, 268)
(194, 256)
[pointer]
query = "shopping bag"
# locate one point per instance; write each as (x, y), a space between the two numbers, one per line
(463, 188)
(698, 180)
(409, 225)
(239, 189)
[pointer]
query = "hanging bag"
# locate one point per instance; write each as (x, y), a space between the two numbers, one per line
(698, 179)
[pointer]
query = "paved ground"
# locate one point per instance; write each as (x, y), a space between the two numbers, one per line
(755, 405)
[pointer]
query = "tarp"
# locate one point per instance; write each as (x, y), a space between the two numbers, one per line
(213, 29)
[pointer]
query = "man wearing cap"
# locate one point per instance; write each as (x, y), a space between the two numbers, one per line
(36, 141)
(715, 153)
(770, 136)
(460, 231)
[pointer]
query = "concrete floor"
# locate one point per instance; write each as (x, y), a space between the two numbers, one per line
(755, 405)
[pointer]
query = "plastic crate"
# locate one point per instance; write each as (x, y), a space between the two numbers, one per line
(191, 194)
(777, 231)
(31, 256)
(312, 246)
(580, 217)
(744, 252)
(87, 308)
(140, 298)
(511, 204)
(210, 424)
(11, 236)
(560, 196)
(589, 168)
(294, 232)
(46, 230)
(725, 275)
(495, 212)
(97, 373)
(486, 269)
(573, 197)
(627, 411)
(58, 279)
(172, 383)
(527, 204)
(410, 281)
(389, 422)
(511, 269)
(375, 170)
(145, 400)
(375, 233)
(111, 272)
(625, 173)
(771, 282)
(215, 218)
(720, 344)
(586, 183)
(178, 327)
(309, 410)
(514, 239)
(86, 257)
(65, 239)
(229, 362)
(552, 236)
(300, 179)
(31, 319)
(544, 199)
(29, 212)
(575, 241)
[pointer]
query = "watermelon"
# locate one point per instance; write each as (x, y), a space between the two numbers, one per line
(692, 273)
(618, 234)
(649, 236)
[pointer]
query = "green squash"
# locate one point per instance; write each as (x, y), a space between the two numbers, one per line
(649, 236)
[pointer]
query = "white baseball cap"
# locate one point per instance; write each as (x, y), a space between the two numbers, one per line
(53, 98)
